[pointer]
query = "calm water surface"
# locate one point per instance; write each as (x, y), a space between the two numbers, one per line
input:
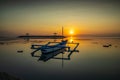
(92, 62)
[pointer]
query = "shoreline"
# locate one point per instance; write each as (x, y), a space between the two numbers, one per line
(42, 36)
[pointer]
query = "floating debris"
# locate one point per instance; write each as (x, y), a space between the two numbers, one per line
(105, 45)
(20, 51)
(108, 45)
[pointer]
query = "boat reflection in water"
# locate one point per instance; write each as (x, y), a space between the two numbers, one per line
(50, 52)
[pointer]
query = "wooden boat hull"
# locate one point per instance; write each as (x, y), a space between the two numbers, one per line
(45, 57)
(50, 49)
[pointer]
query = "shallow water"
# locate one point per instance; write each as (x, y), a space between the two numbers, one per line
(92, 62)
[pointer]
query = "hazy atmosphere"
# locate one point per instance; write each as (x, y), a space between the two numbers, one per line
(43, 17)
(59, 39)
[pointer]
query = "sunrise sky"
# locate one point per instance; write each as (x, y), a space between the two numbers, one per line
(43, 17)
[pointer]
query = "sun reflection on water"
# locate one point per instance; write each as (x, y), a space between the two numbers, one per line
(71, 39)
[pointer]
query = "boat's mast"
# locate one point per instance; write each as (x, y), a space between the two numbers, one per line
(62, 31)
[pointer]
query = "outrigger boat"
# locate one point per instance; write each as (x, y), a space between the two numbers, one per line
(49, 49)
(48, 52)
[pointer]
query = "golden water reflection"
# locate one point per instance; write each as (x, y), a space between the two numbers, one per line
(93, 59)
(71, 39)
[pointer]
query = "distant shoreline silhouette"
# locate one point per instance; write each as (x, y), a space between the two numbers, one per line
(43, 36)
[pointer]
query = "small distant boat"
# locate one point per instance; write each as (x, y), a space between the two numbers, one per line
(53, 48)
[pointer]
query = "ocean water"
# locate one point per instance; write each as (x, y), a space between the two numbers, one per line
(92, 62)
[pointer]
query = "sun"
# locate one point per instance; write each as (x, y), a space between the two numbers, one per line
(71, 32)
